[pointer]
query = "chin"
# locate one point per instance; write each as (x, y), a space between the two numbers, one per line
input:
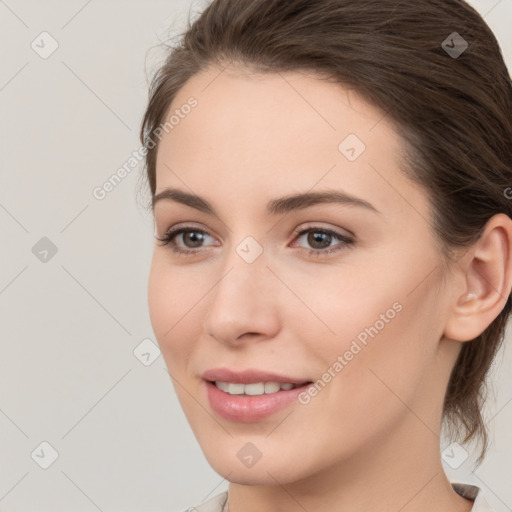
(262, 473)
(240, 461)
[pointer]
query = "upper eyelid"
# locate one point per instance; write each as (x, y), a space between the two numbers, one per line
(175, 231)
(296, 231)
(313, 225)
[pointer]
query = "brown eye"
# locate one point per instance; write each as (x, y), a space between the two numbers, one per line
(319, 240)
(191, 239)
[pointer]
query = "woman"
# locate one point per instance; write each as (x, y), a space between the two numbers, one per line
(332, 272)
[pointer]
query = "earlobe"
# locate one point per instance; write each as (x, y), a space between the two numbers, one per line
(486, 274)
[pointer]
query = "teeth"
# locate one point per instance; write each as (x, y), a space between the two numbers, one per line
(223, 386)
(254, 389)
(272, 387)
(236, 389)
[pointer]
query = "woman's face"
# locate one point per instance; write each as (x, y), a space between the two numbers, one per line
(344, 291)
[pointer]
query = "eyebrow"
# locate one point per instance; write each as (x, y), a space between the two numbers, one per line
(274, 207)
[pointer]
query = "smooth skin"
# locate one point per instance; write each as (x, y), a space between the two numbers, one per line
(370, 439)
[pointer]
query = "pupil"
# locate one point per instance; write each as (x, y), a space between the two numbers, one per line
(195, 238)
(313, 238)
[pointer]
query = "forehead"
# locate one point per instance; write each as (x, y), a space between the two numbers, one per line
(291, 105)
(277, 131)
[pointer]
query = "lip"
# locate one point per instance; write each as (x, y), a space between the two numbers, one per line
(248, 376)
(245, 408)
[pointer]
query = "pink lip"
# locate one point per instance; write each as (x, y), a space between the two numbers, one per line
(248, 376)
(245, 408)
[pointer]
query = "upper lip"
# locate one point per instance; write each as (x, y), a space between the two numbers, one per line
(248, 376)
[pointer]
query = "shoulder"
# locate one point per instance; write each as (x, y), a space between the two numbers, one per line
(472, 492)
(215, 504)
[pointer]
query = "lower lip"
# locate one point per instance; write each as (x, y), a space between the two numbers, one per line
(247, 408)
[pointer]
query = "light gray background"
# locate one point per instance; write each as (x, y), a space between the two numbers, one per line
(69, 326)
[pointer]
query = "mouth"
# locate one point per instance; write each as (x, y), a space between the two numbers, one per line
(250, 397)
(255, 388)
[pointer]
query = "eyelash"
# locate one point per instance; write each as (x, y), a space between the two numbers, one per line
(171, 234)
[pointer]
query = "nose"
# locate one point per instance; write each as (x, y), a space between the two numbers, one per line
(243, 304)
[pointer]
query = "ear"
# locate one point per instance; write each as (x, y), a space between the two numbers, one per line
(485, 277)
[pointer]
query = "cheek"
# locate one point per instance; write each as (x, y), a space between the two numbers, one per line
(379, 339)
(173, 301)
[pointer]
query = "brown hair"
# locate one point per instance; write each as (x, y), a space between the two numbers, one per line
(454, 113)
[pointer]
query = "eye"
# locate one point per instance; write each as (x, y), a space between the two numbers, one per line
(191, 239)
(320, 239)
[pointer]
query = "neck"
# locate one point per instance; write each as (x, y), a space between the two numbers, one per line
(405, 474)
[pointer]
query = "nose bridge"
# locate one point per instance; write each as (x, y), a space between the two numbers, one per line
(245, 270)
(241, 300)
